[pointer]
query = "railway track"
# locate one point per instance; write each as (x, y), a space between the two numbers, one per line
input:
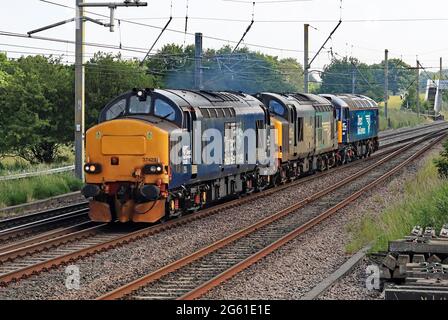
(409, 135)
(29, 225)
(30, 218)
(50, 249)
(194, 275)
(406, 131)
(17, 228)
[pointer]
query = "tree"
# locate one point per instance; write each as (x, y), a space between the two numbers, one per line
(35, 108)
(410, 101)
(292, 73)
(172, 66)
(338, 75)
(400, 76)
(223, 69)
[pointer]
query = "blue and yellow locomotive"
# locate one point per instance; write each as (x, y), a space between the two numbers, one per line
(358, 124)
(158, 154)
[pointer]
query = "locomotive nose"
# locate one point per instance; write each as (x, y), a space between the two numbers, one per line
(130, 179)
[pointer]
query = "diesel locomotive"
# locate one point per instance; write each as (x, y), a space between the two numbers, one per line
(150, 157)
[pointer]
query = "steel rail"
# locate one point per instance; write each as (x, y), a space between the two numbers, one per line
(45, 236)
(59, 237)
(199, 291)
(405, 131)
(64, 238)
(36, 217)
(54, 242)
(135, 285)
(410, 138)
(46, 224)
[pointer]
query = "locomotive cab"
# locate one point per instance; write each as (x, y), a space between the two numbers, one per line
(161, 153)
(127, 161)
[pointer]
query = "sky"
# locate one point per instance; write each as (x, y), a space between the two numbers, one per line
(367, 29)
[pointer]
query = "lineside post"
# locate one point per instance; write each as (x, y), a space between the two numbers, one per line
(198, 61)
(386, 82)
(306, 58)
(79, 91)
(418, 88)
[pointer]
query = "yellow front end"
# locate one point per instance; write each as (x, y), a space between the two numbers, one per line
(278, 127)
(123, 151)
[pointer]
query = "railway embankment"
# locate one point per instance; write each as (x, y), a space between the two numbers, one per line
(424, 202)
(25, 190)
(420, 199)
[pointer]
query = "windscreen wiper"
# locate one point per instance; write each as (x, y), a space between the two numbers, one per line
(166, 116)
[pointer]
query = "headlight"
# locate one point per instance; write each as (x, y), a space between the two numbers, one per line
(152, 169)
(92, 168)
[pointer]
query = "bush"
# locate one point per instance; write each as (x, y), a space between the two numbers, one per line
(73, 183)
(425, 203)
(442, 162)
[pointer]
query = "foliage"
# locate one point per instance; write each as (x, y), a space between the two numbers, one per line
(108, 76)
(425, 203)
(338, 76)
(399, 118)
(400, 76)
(33, 107)
(441, 162)
(243, 70)
(369, 79)
(410, 101)
(29, 189)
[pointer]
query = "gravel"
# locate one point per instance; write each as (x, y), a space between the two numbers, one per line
(105, 271)
(352, 286)
(296, 268)
(286, 274)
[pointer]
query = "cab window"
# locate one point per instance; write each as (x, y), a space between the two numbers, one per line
(116, 109)
(136, 106)
(276, 108)
(164, 110)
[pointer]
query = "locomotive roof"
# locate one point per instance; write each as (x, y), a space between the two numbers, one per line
(353, 101)
(303, 100)
(204, 98)
(308, 97)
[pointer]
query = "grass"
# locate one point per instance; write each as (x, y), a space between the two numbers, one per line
(25, 190)
(425, 203)
(12, 165)
(399, 119)
(396, 101)
(393, 103)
